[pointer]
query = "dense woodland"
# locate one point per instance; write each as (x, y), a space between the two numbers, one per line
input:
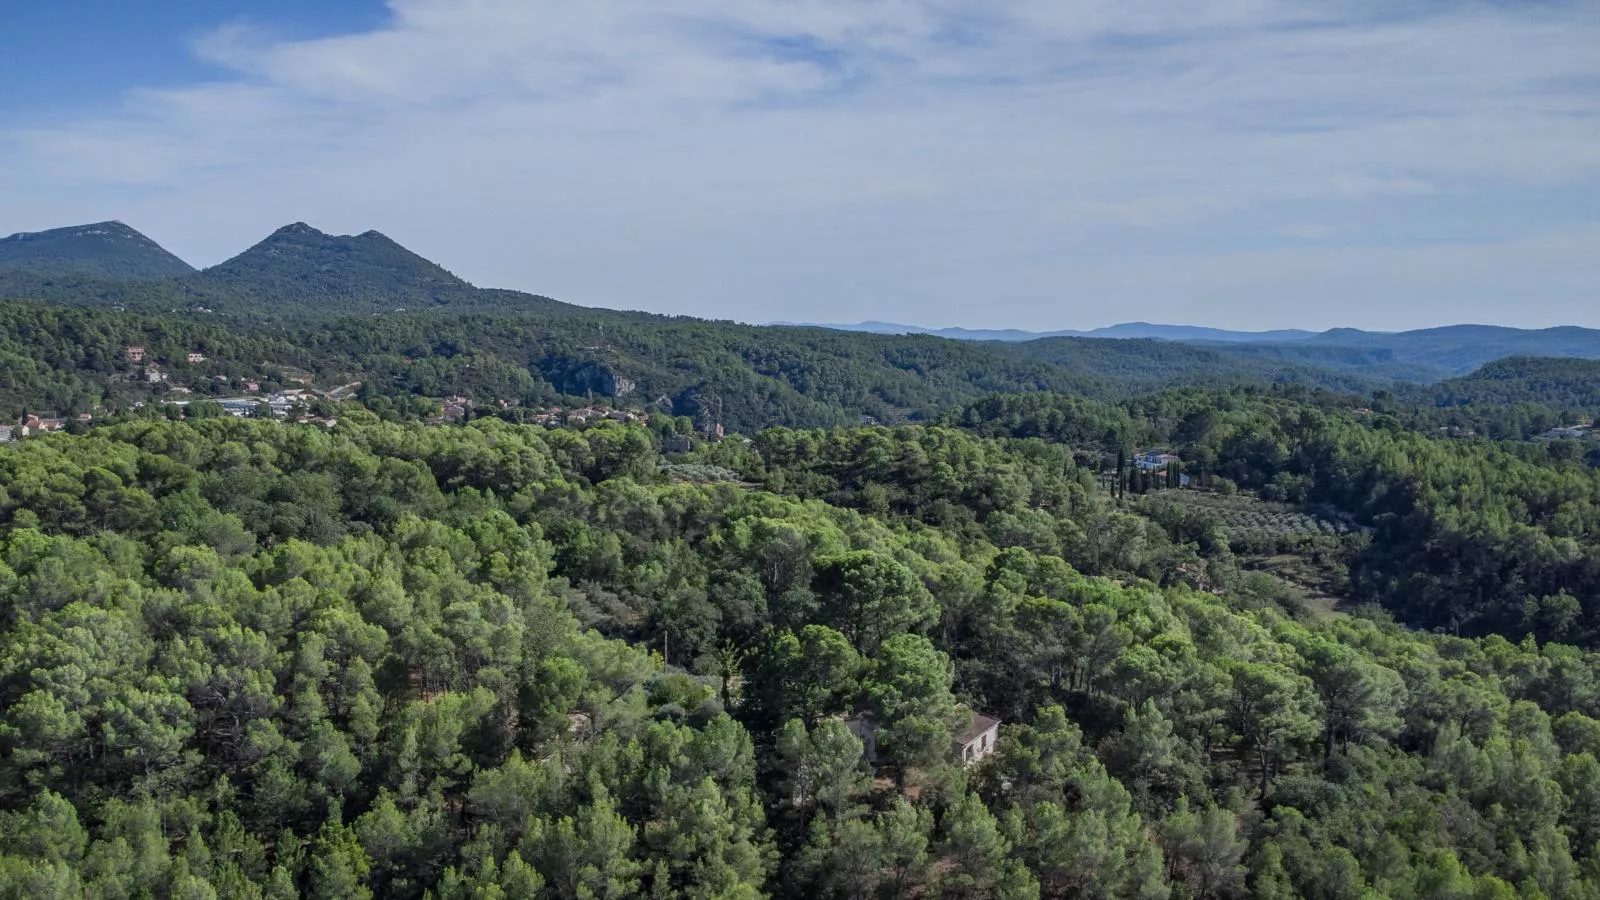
(1472, 536)
(249, 659)
(1564, 384)
(67, 360)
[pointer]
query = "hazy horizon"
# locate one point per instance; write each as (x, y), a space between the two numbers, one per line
(1249, 166)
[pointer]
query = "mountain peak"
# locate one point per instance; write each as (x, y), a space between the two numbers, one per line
(101, 249)
(367, 272)
(297, 229)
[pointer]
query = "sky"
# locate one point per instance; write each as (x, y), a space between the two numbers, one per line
(1042, 164)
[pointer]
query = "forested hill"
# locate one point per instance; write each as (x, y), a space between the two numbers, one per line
(1149, 365)
(1422, 355)
(69, 360)
(1459, 349)
(103, 250)
(299, 273)
(63, 360)
(1568, 384)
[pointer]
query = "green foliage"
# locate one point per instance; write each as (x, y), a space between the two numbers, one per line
(1472, 537)
(105, 249)
(1563, 384)
(248, 659)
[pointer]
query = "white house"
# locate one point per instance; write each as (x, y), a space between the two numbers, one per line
(978, 740)
(969, 744)
(1152, 462)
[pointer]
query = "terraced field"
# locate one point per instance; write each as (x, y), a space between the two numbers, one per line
(1258, 524)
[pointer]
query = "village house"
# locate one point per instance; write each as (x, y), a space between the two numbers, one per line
(196, 356)
(969, 745)
(36, 425)
(978, 740)
(1569, 432)
(135, 354)
(1155, 462)
(7, 434)
(154, 375)
(678, 443)
(252, 387)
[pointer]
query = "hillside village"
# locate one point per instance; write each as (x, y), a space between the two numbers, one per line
(263, 396)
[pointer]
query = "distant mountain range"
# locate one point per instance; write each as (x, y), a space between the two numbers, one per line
(302, 286)
(1421, 355)
(1190, 333)
(295, 273)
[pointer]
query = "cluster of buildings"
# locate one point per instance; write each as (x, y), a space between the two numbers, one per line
(555, 416)
(136, 355)
(279, 405)
(28, 426)
(152, 373)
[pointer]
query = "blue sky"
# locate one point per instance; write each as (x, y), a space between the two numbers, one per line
(1036, 164)
(77, 56)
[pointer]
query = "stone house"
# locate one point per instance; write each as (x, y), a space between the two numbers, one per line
(969, 745)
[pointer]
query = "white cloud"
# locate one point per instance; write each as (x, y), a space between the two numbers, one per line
(1066, 164)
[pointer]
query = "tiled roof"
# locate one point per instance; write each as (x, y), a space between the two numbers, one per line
(980, 724)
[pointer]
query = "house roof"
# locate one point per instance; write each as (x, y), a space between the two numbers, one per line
(980, 724)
